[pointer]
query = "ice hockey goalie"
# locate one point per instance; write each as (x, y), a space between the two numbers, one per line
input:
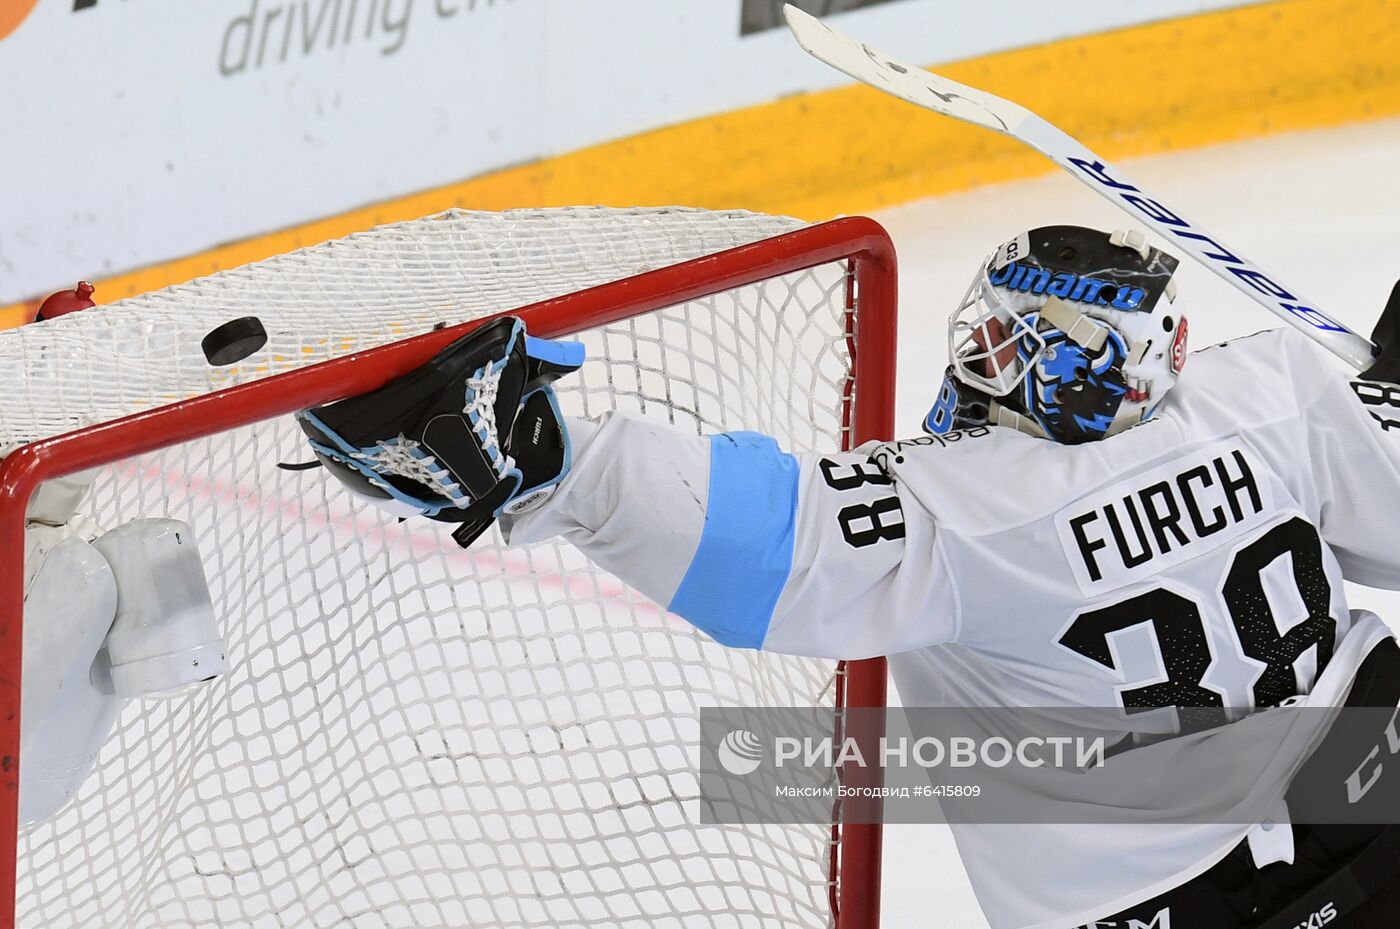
(1094, 518)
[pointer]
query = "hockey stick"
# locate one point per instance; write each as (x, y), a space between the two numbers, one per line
(932, 92)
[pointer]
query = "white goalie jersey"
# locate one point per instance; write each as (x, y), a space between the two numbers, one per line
(1196, 559)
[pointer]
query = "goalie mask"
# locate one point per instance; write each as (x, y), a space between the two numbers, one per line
(1066, 333)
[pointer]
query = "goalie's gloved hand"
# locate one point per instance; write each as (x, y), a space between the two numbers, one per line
(473, 433)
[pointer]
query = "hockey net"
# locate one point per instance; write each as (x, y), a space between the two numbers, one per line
(410, 734)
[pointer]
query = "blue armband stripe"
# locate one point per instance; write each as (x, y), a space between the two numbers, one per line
(745, 553)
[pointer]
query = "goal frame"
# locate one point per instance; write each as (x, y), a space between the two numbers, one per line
(868, 413)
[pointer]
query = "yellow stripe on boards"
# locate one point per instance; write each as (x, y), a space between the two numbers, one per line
(1172, 85)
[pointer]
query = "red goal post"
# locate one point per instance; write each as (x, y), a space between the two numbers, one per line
(871, 290)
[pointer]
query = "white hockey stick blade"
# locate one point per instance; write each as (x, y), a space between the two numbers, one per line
(933, 92)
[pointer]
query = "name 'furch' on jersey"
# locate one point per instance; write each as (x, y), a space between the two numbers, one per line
(1198, 502)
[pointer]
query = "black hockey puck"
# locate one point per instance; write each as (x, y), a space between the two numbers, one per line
(234, 340)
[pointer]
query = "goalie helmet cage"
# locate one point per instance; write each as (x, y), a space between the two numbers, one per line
(234, 805)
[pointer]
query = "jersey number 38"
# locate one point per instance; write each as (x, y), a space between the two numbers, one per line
(1182, 640)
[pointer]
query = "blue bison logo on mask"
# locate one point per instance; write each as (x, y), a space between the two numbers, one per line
(1071, 392)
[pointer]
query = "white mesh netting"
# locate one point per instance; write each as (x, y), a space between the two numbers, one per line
(412, 735)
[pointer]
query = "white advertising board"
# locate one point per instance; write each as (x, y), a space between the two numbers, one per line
(137, 131)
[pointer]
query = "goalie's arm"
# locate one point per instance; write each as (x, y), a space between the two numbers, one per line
(817, 555)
